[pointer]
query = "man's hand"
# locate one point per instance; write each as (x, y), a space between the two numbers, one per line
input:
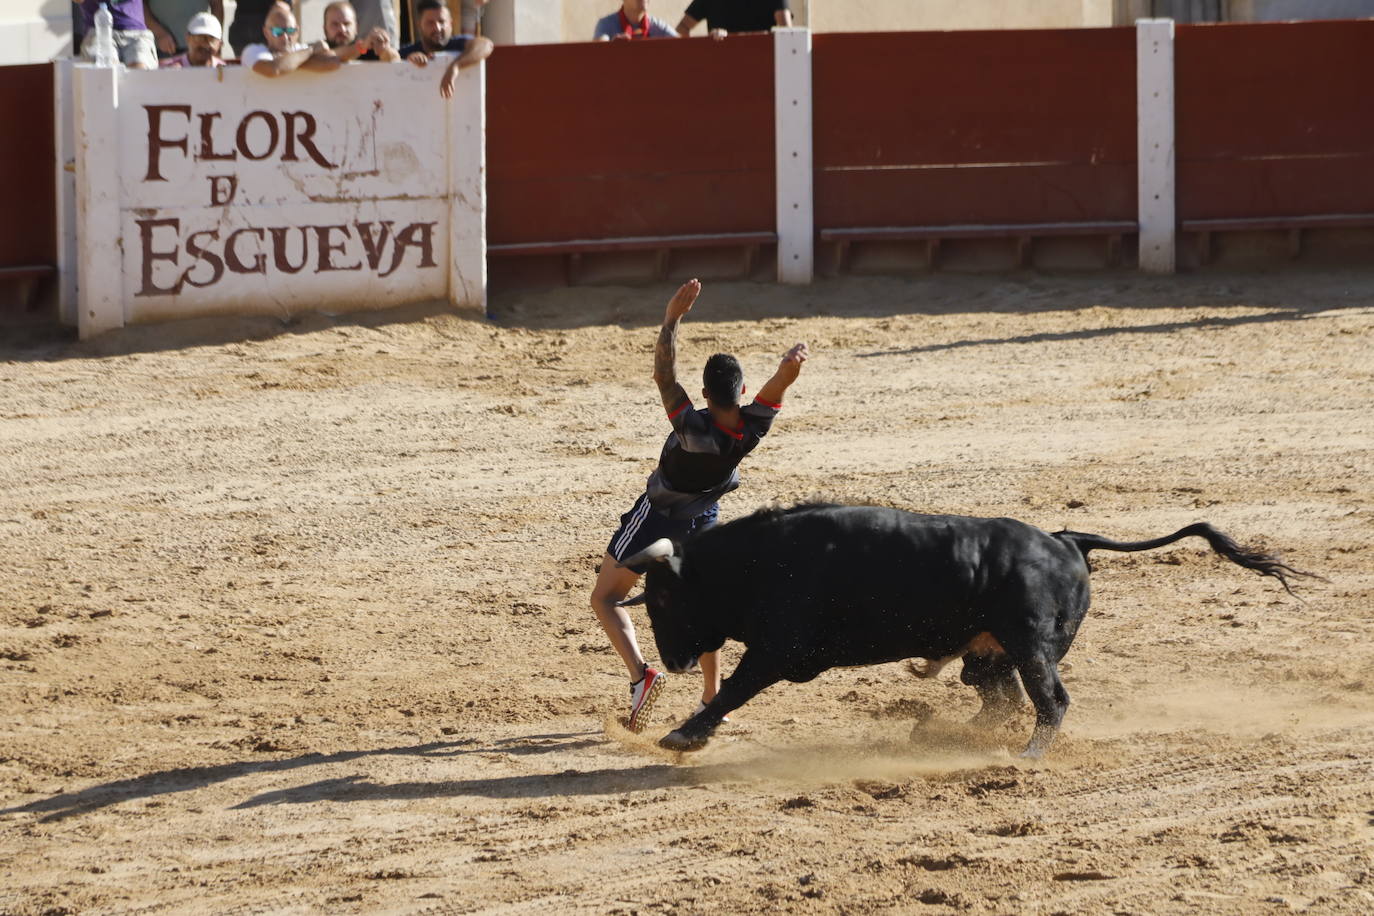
(718, 34)
(419, 59)
(792, 360)
(788, 370)
(682, 301)
(450, 78)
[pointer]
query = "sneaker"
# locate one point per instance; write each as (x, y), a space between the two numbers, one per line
(643, 694)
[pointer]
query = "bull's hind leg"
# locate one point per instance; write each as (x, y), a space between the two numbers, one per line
(994, 677)
(1041, 679)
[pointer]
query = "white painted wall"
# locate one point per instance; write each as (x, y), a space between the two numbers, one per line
(1276, 10)
(539, 21)
(32, 31)
(927, 15)
(223, 192)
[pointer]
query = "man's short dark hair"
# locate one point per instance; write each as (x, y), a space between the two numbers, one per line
(724, 380)
(428, 5)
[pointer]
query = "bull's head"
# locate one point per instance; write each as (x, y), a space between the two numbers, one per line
(678, 630)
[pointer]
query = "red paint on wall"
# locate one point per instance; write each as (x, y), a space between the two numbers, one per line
(28, 180)
(607, 140)
(929, 128)
(1274, 119)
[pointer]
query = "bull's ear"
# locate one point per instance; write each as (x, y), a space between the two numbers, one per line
(656, 552)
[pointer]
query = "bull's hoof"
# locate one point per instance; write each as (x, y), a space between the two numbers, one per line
(677, 741)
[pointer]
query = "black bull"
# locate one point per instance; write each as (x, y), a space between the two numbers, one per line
(821, 586)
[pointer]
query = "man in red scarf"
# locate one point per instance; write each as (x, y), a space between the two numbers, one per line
(632, 20)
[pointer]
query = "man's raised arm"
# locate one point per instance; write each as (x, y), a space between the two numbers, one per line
(788, 370)
(665, 350)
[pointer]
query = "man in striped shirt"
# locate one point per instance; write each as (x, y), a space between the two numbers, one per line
(698, 465)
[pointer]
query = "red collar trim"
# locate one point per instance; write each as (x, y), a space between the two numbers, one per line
(737, 433)
(638, 29)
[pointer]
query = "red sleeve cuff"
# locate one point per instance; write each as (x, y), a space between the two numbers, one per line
(777, 406)
(679, 409)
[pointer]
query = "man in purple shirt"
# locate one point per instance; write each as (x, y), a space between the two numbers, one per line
(132, 40)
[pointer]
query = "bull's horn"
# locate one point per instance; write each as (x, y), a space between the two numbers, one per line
(661, 549)
(630, 602)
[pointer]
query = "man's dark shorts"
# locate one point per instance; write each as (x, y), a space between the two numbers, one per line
(643, 525)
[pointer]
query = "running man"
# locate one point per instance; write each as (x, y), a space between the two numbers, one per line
(697, 466)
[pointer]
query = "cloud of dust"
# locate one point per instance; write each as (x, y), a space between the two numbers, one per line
(1234, 709)
(734, 754)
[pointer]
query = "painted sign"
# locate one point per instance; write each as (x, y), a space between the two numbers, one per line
(237, 193)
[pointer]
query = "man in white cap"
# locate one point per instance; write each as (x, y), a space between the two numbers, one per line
(168, 19)
(203, 37)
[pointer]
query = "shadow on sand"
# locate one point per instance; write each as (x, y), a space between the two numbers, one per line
(945, 747)
(186, 779)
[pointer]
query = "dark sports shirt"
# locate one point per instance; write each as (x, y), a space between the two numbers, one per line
(736, 15)
(700, 459)
(457, 43)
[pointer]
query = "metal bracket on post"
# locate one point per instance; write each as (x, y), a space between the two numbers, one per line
(792, 149)
(1155, 181)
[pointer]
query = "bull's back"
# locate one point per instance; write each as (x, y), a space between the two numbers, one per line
(874, 583)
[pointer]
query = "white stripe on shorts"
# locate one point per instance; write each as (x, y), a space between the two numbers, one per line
(631, 529)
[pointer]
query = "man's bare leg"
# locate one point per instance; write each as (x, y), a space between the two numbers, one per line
(613, 583)
(710, 675)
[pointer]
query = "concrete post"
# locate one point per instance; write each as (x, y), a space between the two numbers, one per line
(100, 295)
(64, 142)
(1155, 144)
(467, 169)
(792, 149)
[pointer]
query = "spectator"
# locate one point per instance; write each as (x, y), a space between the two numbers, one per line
(169, 21)
(471, 24)
(377, 14)
(341, 34)
(203, 36)
(249, 17)
(282, 54)
(726, 16)
(436, 35)
(132, 40)
(632, 20)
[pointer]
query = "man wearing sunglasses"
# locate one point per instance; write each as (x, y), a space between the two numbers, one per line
(249, 15)
(282, 53)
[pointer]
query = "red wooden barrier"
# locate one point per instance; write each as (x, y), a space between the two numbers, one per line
(628, 139)
(28, 179)
(1274, 119)
(935, 128)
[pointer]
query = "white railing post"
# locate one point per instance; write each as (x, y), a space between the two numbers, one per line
(467, 169)
(100, 265)
(1154, 68)
(64, 142)
(792, 149)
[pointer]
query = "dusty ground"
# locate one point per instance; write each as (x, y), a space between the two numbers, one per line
(295, 618)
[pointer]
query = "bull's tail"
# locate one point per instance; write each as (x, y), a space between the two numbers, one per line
(1263, 563)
